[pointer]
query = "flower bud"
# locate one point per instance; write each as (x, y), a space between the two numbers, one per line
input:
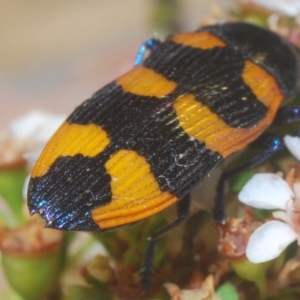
(30, 259)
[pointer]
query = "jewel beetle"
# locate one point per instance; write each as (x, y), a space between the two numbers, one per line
(144, 141)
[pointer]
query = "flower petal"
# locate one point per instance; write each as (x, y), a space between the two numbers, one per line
(267, 191)
(289, 8)
(293, 144)
(36, 125)
(268, 241)
(279, 214)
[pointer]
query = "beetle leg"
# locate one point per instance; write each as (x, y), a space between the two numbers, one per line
(151, 45)
(183, 209)
(271, 144)
(286, 115)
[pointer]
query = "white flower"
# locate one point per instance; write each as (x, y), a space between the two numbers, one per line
(293, 145)
(37, 126)
(270, 191)
(34, 130)
(289, 8)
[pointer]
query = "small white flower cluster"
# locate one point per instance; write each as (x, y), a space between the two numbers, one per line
(290, 8)
(270, 191)
(34, 129)
(205, 291)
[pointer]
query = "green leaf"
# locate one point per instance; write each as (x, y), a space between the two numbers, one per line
(227, 291)
(241, 180)
(165, 16)
(256, 19)
(83, 293)
(11, 186)
(31, 277)
(255, 273)
(9, 294)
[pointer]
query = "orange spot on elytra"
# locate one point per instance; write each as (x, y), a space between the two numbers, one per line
(69, 140)
(202, 40)
(262, 84)
(143, 81)
(199, 122)
(135, 192)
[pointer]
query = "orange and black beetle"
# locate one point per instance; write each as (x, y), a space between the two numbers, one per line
(144, 141)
